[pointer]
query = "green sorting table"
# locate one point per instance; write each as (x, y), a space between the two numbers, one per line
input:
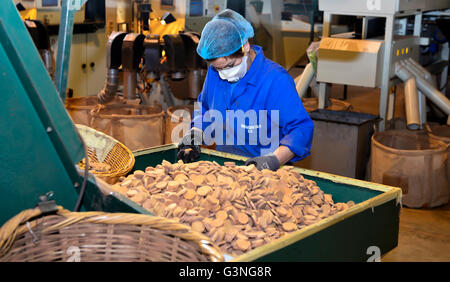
(361, 233)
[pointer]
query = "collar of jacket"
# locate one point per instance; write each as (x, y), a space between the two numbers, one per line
(252, 77)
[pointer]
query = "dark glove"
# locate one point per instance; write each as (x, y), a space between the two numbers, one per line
(265, 162)
(189, 147)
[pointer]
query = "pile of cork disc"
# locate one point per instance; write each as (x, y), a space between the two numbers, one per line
(239, 207)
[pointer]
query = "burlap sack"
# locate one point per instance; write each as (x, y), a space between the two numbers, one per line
(136, 126)
(175, 120)
(414, 162)
(79, 109)
(441, 133)
(312, 104)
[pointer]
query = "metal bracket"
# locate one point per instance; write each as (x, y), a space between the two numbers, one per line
(46, 205)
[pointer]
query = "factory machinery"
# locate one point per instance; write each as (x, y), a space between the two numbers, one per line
(174, 57)
(382, 62)
(157, 68)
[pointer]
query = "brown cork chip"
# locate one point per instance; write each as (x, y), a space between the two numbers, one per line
(131, 193)
(242, 218)
(281, 211)
(289, 226)
(222, 215)
(189, 194)
(173, 185)
(198, 226)
(204, 190)
(161, 185)
(197, 179)
(217, 222)
(243, 244)
(211, 179)
(317, 199)
(139, 174)
(239, 207)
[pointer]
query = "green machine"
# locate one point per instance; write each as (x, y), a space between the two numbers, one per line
(39, 145)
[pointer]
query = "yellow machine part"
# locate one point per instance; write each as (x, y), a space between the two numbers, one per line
(162, 29)
(29, 14)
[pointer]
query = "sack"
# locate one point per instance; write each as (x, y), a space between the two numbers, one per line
(441, 133)
(79, 108)
(136, 126)
(177, 116)
(414, 162)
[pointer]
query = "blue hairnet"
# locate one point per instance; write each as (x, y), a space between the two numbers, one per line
(224, 35)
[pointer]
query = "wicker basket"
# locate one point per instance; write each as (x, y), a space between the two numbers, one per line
(117, 160)
(98, 237)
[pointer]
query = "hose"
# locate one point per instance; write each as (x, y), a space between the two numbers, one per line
(108, 92)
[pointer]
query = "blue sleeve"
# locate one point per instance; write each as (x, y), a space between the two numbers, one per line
(296, 126)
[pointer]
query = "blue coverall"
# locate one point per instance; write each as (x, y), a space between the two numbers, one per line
(265, 86)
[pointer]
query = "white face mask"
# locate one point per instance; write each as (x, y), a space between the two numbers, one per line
(235, 73)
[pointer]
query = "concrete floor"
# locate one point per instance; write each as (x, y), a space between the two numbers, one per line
(424, 233)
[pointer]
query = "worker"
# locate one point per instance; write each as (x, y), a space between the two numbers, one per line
(240, 79)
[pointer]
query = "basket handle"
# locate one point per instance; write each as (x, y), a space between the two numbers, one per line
(207, 248)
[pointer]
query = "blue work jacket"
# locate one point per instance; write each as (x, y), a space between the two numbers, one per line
(267, 89)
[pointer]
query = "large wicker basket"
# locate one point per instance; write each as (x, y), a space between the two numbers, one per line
(116, 158)
(101, 237)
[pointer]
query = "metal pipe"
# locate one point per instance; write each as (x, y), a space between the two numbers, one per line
(432, 79)
(429, 90)
(411, 97)
(422, 107)
(422, 99)
(303, 81)
(419, 69)
(108, 92)
(412, 104)
(434, 95)
(129, 84)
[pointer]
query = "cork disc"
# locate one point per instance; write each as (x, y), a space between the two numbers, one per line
(161, 185)
(243, 244)
(189, 194)
(242, 218)
(289, 226)
(197, 179)
(204, 190)
(198, 226)
(222, 215)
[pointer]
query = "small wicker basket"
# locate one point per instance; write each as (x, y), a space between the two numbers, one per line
(116, 159)
(101, 237)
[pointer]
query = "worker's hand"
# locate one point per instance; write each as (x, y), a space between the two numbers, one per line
(189, 147)
(265, 162)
